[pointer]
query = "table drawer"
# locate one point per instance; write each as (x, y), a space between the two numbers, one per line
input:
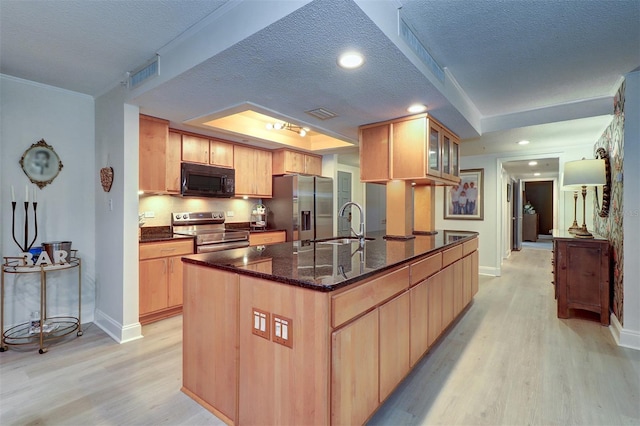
(353, 302)
(426, 267)
(451, 255)
(165, 249)
(469, 247)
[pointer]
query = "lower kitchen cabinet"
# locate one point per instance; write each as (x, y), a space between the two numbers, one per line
(434, 286)
(160, 279)
(394, 343)
(266, 238)
(354, 371)
(419, 321)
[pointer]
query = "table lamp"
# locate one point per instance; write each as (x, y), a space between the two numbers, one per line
(579, 175)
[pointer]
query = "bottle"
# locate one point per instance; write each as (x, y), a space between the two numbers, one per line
(35, 322)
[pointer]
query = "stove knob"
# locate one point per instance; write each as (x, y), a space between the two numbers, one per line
(215, 215)
(184, 216)
(177, 217)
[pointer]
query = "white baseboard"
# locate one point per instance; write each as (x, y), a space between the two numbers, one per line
(115, 330)
(487, 270)
(624, 337)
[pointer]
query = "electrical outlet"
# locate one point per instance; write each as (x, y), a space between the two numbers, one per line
(111, 204)
(149, 214)
(261, 323)
(283, 330)
(230, 213)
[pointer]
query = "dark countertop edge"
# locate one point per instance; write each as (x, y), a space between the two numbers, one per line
(262, 231)
(333, 287)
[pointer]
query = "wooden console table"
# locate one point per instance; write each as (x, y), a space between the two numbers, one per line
(581, 274)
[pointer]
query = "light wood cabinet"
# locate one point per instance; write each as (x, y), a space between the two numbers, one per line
(434, 286)
(374, 153)
(416, 148)
(448, 287)
(172, 170)
(159, 163)
(253, 172)
(354, 377)
(195, 149)
(419, 321)
(289, 161)
(160, 278)
(266, 238)
(221, 153)
(394, 343)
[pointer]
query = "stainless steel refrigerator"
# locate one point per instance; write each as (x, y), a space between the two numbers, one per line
(302, 206)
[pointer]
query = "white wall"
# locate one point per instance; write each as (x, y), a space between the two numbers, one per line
(65, 120)
(116, 135)
(630, 334)
(491, 242)
(163, 205)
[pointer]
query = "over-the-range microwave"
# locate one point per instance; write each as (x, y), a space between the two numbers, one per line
(200, 180)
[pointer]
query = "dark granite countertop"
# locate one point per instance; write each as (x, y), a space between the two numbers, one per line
(328, 267)
(154, 234)
(246, 226)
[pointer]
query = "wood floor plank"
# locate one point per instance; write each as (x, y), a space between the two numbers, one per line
(509, 360)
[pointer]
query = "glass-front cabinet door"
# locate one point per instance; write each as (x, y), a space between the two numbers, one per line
(455, 158)
(433, 155)
(446, 154)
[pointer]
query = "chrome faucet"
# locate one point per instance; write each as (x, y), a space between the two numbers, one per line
(343, 210)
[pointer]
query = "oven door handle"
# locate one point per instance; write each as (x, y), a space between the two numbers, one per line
(210, 248)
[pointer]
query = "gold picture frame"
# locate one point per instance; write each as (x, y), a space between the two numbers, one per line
(473, 208)
(41, 163)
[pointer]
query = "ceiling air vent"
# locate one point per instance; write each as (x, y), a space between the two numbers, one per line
(149, 70)
(412, 41)
(321, 113)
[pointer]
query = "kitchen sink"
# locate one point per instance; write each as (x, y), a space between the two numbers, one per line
(340, 241)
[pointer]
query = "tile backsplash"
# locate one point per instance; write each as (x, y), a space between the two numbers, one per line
(163, 205)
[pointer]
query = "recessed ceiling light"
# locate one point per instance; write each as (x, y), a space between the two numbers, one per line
(351, 60)
(533, 163)
(523, 142)
(416, 108)
(536, 174)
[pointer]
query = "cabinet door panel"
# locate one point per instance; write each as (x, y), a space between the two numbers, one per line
(354, 377)
(153, 285)
(313, 165)
(434, 150)
(263, 173)
(458, 287)
(434, 284)
(408, 149)
(221, 153)
(419, 321)
(172, 164)
(394, 343)
(474, 273)
(153, 135)
(467, 278)
(448, 286)
(374, 153)
(175, 268)
(195, 149)
(244, 163)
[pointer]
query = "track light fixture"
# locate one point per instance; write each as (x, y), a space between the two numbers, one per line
(302, 131)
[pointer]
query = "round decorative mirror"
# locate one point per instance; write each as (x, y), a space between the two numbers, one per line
(41, 163)
(603, 195)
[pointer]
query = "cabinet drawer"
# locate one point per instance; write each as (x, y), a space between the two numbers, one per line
(353, 302)
(264, 238)
(166, 249)
(469, 247)
(451, 255)
(425, 267)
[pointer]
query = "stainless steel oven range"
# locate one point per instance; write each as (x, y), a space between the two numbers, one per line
(209, 230)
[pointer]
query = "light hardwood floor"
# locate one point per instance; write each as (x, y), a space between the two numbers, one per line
(508, 361)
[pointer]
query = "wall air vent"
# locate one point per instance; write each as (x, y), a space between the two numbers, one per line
(412, 41)
(149, 70)
(321, 113)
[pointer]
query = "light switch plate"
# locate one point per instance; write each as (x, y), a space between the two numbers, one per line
(283, 330)
(260, 323)
(149, 214)
(230, 213)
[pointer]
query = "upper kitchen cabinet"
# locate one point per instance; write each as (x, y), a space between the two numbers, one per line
(253, 172)
(197, 149)
(159, 163)
(286, 161)
(415, 148)
(374, 152)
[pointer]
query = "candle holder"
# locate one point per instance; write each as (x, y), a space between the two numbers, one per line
(26, 247)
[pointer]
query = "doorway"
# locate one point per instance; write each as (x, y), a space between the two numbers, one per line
(540, 195)
(344, 196)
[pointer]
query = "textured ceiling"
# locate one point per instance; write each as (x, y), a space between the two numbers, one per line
(88, 46)
(502, 57)
(520, 55)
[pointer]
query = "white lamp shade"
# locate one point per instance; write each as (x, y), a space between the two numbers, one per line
(583, 173)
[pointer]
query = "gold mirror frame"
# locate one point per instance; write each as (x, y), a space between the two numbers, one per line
(603, 198)
(41, 163)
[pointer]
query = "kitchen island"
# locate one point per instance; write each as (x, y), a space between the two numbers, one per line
(318, 333)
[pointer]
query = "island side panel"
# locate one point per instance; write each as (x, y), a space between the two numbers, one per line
(210, 340)
(280, 384)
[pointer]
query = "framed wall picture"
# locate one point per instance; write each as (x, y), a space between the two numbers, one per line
(41, 164)
(465, 201)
